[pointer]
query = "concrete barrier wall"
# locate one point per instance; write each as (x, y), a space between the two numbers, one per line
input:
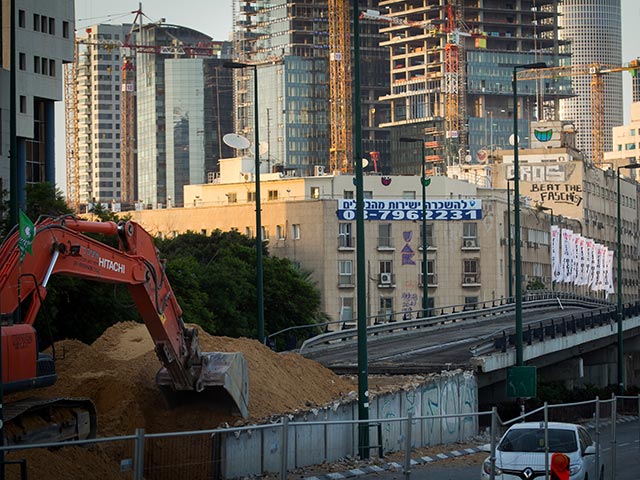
(259, 451)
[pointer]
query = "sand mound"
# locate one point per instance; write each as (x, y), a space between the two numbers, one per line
(118, 373)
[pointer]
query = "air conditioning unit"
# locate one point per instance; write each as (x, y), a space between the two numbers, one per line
(385, 278)
(468, 280)
(318, 170)
(470, 243)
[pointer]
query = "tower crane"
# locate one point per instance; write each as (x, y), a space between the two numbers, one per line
(340, 96)
(597, 72)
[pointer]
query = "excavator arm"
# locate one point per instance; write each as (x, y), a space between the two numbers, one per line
(61, 247)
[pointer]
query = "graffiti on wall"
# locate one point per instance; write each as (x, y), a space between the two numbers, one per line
(558, 193)
(407, 251)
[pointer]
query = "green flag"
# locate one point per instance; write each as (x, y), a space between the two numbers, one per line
(27, 233)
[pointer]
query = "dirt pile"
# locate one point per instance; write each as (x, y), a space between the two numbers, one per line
(118, 373)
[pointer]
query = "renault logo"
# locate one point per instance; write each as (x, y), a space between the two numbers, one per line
(527, 473)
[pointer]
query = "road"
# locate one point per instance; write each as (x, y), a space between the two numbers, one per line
(426, 349)
(626, 465)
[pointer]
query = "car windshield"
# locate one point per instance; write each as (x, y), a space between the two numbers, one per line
(532, 440)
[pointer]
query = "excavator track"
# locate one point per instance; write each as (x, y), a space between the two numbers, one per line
(44, 420)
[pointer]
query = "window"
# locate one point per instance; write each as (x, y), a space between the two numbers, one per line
(251, 196)
(44, 23)
(470, 303)
(23, 61)
(248, 232)
(52, 26)
(346, 309)
(52, 68)
(36, 22)
(470, 235)
(280, 232)
(345, 237)
(386, 273)
(431, 268)
(36, 64)
(65, 29)
(265, 233)
(295, 231)
(232, 197)
(385, 313)
(273, 195)
(22, 18)
(348, 195)
(409, 195)
(430, 242)
(45, 68)
(315, 192)
(345, 273)
(384, 236)
(367, 194)
(470, 271)
(23, 104)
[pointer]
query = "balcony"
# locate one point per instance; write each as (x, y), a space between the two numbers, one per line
(432, 278)
(470, 279)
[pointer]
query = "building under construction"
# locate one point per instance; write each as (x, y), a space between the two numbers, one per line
(451, 69)
(304, 65)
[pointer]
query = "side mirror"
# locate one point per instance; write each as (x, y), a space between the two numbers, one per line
(590, 450)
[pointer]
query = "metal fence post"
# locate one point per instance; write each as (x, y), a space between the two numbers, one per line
(598, 433)
(639, 421)
(285, 448)
(138, 455)
(494, 427)
(614, 412)
(407, 447)
(546, 441)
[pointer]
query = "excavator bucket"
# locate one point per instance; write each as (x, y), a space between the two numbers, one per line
(219, 371)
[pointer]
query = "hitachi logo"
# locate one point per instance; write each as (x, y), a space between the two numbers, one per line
(111, 265)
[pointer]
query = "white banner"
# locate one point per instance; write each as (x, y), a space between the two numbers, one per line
(556, 265)
(567, 255)
(610, 289)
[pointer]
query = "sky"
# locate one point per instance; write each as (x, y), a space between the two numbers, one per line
(213, 17)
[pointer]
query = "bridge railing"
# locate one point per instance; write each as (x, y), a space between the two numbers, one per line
(554, 327)
(530, 301)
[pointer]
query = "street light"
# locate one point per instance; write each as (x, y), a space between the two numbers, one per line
(509, 259)
(542, 208)
(256, 145)
(424, 182)
(516, 195)
(621, 378)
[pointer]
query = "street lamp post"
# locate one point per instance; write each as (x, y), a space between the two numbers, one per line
(621, 376)
(256, 145)
(509, 259)
(542, 208)
(424, 182)
(516, 195)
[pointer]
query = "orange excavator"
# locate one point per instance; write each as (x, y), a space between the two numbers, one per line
(60, 246)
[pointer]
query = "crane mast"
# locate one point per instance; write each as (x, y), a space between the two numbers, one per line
(340, 96)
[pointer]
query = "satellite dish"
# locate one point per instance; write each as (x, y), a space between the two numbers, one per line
(236, 141)
(511, 139)
(365, 163)
(263, 147)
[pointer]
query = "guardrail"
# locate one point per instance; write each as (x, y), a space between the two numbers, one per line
(554, 327)
(530, 301)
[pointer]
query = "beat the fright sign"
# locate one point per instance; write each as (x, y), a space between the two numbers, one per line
(462, 209)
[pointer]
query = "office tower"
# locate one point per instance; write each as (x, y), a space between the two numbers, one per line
(594, 29)
(43, 43)
(289, 42)
(451, 75)
(183, 110)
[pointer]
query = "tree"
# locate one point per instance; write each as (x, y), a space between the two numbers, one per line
(222, 266)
